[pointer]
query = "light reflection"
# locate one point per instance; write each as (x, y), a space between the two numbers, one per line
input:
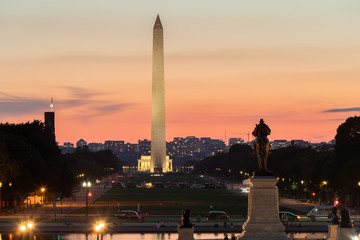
(146, 236)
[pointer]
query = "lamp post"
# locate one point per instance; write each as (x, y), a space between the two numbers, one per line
(43, 195)
(86, 185)
(11, 199)
(0, 196)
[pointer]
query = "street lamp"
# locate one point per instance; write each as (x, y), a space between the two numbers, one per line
(43, 194)
(11, 199)
(0, 196)
(86, 185)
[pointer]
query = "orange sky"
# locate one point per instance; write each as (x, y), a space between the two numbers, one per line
(226, 66)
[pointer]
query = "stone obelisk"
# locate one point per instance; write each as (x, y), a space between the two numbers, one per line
(158, 140)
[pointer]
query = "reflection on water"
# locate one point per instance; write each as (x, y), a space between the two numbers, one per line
(135, 236)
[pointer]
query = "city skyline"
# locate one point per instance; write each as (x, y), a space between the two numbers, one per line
(227, 65)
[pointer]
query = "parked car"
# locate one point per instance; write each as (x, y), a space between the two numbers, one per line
(220, 186)
(171, 185)
(197, 186)
(217, 215)
(120, 184)
(288, 216)
(158, 185)
(209, 186)
(131, 185)
(183, 185)
(128, 214)
(320, 211)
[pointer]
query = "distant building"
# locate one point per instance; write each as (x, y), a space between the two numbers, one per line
(115, 146)
(300, 143)
(131, 148)
(233, 141)
(68, 145)
(184, 148)
(212, 146)
(276, 144)
(144, 147)
(94, 147)
(81, 143)
(67, 148)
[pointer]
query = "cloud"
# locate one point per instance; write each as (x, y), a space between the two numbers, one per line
(355, 109)
(17, 105)
(85, 101)
(83, 93)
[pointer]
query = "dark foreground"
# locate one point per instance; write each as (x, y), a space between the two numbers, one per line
(151, 228)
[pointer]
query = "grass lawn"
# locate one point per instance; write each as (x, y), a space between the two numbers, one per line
(169, 201)
(163, 201)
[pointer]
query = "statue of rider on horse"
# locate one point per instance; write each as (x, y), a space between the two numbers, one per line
(261, 147)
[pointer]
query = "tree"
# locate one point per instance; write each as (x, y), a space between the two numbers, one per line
(30, 159)
(348, 159)
(348, 136)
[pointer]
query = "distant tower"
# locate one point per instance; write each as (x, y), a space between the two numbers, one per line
(50, 119)
(158, 162)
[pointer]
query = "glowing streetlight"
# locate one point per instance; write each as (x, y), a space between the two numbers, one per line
(99, 226)
(29, 225)
(86, 185)
(22, 227)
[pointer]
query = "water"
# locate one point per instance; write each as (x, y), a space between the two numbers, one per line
(137, 236)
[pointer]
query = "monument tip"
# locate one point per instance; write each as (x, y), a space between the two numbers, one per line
(157, 23)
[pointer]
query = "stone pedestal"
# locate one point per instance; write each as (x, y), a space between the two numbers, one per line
(186, 233)
(332, 232)
(345, 234)
(263, 211)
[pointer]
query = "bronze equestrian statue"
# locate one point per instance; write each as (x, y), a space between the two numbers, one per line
(185, 219)
(261, 147)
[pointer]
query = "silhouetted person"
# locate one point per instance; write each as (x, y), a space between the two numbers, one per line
(261, 147)
(345, 219)
(233, 237)
(226, 237)
(335, 218)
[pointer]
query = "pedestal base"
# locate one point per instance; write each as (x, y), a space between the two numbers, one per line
(332, 232)
(345, 234)
(263, 221)
(186, 233)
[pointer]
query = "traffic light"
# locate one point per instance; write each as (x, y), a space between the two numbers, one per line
(336, 202)
(89, 194)
(313, 194)
(58, 198)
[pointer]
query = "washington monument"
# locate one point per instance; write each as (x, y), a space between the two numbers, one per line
(158, 162)
(158, 139)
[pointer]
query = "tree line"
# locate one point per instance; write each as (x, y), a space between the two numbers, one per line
(30, 160)
(302, 172)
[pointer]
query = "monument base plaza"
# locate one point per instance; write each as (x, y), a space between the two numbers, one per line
(263, 211)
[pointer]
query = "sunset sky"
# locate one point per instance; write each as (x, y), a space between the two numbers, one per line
(227, 64)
